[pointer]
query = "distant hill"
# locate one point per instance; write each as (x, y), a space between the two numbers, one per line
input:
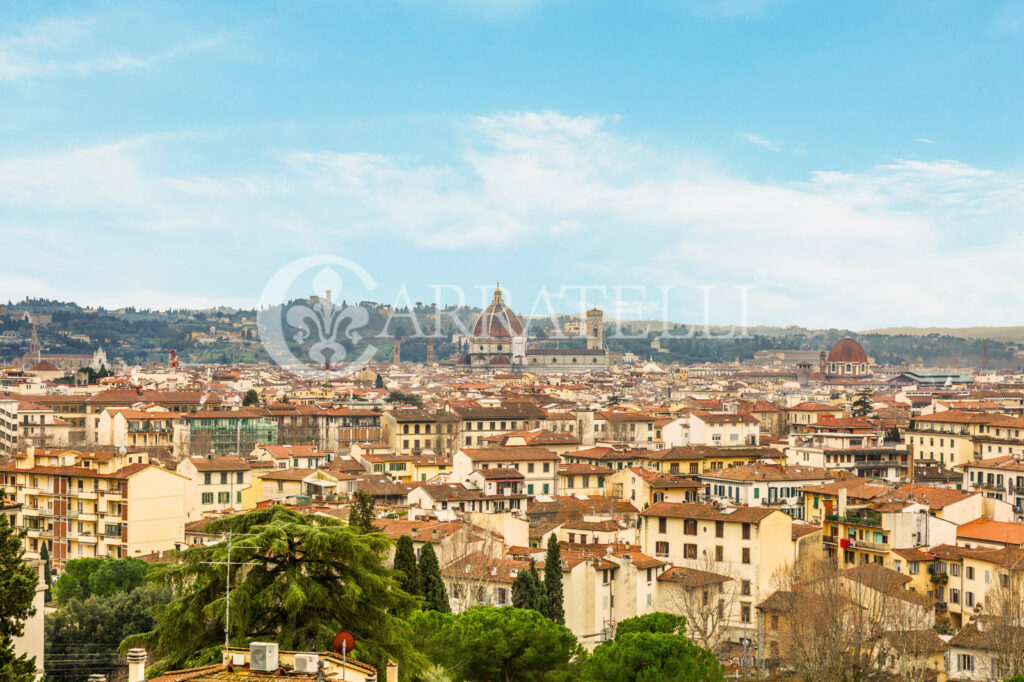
(1004, 334)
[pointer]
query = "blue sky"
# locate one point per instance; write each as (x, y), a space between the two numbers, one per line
(853, 164)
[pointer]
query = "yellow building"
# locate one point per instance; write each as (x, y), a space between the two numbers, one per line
(583, 479)
(947, 437)
(95, 504)
(747, 544)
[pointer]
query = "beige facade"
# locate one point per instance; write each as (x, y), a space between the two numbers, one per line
(214, 484)
(95, 504)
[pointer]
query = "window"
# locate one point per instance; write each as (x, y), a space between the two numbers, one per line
(547, 467)
(529, 468)
(223, 478)
(745, 587)
(775, 623)
(746, 531)
(662, 524)
(954, 570)
(206, 478)
(954, 596)
(965, 662)
(719, 529)
(280, 486)
(661, 548)
(746, 555)
(719, 553)
(546, 488)
(529, 489)
(969, 599)
(239, 477)
(224, 498)
(970, 572)
(745, 613)
(650, 575)
(690, 551)
(238, 497)
(690, 527)
(207, 498)
(914, 567)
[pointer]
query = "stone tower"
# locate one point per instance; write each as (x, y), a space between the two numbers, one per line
(595, 323)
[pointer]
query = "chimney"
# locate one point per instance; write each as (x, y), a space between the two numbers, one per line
(136, 665)
(392, 671)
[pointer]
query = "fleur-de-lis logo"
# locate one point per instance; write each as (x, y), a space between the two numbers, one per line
(316, 326)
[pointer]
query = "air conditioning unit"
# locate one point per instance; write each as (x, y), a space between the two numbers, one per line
(306, 663)
(238, 660)
(263, 656)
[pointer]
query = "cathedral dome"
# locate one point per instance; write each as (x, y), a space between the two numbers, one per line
(847, 350)
(497, 320)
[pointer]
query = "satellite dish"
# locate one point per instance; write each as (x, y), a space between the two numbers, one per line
(123, 450)
(343, 643)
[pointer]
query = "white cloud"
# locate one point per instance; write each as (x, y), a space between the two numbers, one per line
(903, 242)
(762, 142)
(924, 140)
(63, 47)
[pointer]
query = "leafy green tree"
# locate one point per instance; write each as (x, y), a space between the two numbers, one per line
(306, 578)
(82, 635)
(652, 657)
(431, 585)
(489, 644)
(74, 581)
(361, 514)
(651, 647)
(893, 435)
(17, 590)
(658, 621)
(555, 601)
(404, 398)
(84, 577)
(379, 381)
(405, 561)
(528, 591)
(118, 575)
(251, 398)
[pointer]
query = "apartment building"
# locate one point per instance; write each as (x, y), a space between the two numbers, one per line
(138, 428)
(1001, 478)
(849, 445)
(626, 428)
(957, 437)
(290, 456)
(764, 484)
(224, 432)
(478, 423)
(8, 427)
(95, 504)
(538, 466)
(723, 430)
(745, 544)
(214, 484)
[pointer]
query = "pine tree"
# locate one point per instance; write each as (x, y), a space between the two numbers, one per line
(18, 587)
(553, 582)
(405, 561)
(431, 586)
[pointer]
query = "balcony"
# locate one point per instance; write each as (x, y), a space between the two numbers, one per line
(86, 494)
(832, 540)
(870, 546)
(870, 519)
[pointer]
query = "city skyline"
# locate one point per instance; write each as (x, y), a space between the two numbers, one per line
(865, 158)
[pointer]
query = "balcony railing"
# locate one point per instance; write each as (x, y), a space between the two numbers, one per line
(871, 520)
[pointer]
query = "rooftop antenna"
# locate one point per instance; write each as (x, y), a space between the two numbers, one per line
(227, 590)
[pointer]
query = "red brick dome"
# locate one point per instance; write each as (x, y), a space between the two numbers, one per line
(497, 320)
(847, 350)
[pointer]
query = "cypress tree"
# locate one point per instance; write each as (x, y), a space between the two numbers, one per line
(431, 586)
(553, 581)
(44, 556)
(405, 561)
(528, 591)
